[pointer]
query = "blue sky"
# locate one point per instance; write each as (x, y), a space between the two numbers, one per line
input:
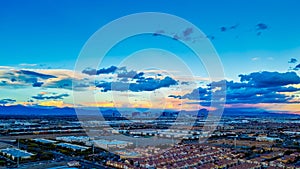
(47, 31)
(50, 34)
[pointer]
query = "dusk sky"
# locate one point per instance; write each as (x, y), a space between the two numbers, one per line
(257, 42)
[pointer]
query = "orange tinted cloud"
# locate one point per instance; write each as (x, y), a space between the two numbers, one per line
(54, 103)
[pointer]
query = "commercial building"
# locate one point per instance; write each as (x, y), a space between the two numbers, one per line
(73, 147)
(106, 144)
(44, 141)
(14, 153)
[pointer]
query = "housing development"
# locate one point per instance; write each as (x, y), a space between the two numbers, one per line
(236, 142)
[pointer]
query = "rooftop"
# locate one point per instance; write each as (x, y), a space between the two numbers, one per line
(16, 152)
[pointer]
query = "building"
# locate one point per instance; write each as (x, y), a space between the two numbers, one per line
(106, 144)
(79, 139)
(73, 164)
(44, 141)
(269, 139)
(15, 153)
(73, 147)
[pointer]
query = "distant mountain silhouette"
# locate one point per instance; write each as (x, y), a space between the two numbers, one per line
(25, 110)
(112, 112)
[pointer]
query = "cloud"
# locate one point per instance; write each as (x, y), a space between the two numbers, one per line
(126, 75)
(61, 83)
(28, 64)
(115, 86)
(223, 29)
(158, 32)
(297, 67)
(37, 84)
(66, 79)
(262, 87)
(175, 96)
(147, 84)
(252, 95)
(255, 58)
(258, 33)
(3, 102)
(234, 26)
(211, 37)
(111, 69)
(267, 79)
(292, 60)
(50, 97)
(187, 32)
(91, 71)
(10, 78)
(185, 83)
(257, 87)
(35, 74)
(151, 84)
(69, 83)
(184, 35)
(198, 94)
(261, 26)
(121, 72)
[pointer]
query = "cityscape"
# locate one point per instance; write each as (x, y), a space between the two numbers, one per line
(239, 141)
(150, 84)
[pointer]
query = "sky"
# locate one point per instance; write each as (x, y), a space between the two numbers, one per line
(257, 43)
